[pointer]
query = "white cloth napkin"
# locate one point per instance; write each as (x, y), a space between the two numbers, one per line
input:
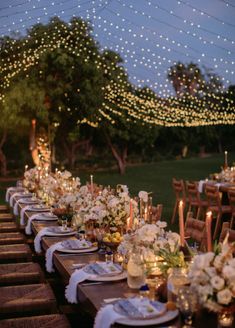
(37, 240)
(22, 213)
(28, 229)
(106, 317)
(13, 196)
(200, 185)
(49, 256)
(7, 198)
(71, 289)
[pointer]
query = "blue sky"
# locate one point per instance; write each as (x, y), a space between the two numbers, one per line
(150, 35)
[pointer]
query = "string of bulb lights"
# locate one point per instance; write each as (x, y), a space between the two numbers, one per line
(147, 52)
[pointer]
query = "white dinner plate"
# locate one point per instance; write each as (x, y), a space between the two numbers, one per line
(120, 275)
(54, 234)
(42, 217)
(38, 208)
(77, 251)
(60, 230)
(28, 201)
(143, 308)
(169, 315)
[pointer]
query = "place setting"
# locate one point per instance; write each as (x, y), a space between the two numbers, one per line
(98, 272)
(133, 311)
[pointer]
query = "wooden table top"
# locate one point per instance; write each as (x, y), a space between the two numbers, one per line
(90, 295)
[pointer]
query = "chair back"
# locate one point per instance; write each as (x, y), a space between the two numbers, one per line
(179, 189)
(231, 197)
(157, 212)
(225, 230)
(213, 195)
(196, 230)
(193, 193)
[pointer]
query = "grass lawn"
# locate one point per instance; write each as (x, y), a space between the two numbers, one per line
(155, 177)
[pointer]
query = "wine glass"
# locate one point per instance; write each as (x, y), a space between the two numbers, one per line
(187, 304)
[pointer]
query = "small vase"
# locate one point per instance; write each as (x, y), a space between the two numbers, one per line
(225, 319)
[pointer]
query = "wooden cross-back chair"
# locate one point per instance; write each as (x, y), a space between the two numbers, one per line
(196, 230)
(231, 197)
(215, 206)
(224, 231)
(180, 194)
(194, 199)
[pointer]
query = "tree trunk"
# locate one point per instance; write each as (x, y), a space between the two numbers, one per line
(120, 155)
(71, 150)
(3, 159)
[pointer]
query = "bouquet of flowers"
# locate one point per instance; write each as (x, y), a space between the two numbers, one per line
(154, 243)
(213, 275)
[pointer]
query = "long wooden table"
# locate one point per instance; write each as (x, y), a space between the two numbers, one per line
(91, 296)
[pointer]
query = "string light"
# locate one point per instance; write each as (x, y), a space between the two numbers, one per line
(148, 55)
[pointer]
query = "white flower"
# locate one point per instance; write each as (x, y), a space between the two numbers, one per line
(143, 195)
(148, 233)
(113, 202)
(66, 174)
(232, 263)
(224, 296)
(218, 262)
(161, 224)
(217, 282)
(211, 271)
(202, 261)
(70, 199)
(229, 272)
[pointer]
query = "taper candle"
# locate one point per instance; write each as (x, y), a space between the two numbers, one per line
(225, 159)
(181, 222)
(92, 186)
(208, 231)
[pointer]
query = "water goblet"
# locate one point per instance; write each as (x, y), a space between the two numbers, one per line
(187, 304)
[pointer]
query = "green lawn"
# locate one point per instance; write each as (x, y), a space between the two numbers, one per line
(155, 177)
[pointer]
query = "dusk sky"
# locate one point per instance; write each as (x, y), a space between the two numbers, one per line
(150, 35)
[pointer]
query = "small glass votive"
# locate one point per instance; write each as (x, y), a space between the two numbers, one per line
(225, 319)
(108, 257)
(64, 224)
(144, 291)
(118, 258)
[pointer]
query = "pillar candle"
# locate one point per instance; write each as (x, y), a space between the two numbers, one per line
(208, 231)
(26, 168)
(181, 222)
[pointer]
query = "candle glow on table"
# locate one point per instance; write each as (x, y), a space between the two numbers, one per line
(208, 231)
(181, 222)
(26, 168)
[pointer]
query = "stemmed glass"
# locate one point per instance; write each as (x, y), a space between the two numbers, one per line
(187, 304)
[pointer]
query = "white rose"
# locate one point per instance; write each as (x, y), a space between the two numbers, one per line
(217, 282)
(224, 296)
(202, 261)
(218, 262)
(143, 195)
(161, 224)
(232, 263)
(211, 271)
(229, 272)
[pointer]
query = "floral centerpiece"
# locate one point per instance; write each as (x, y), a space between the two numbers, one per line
(213, 276)
(152, 240)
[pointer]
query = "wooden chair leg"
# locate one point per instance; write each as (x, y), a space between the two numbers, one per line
(217, 225)
(231, 222)
(174, 212)
(198, 213)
